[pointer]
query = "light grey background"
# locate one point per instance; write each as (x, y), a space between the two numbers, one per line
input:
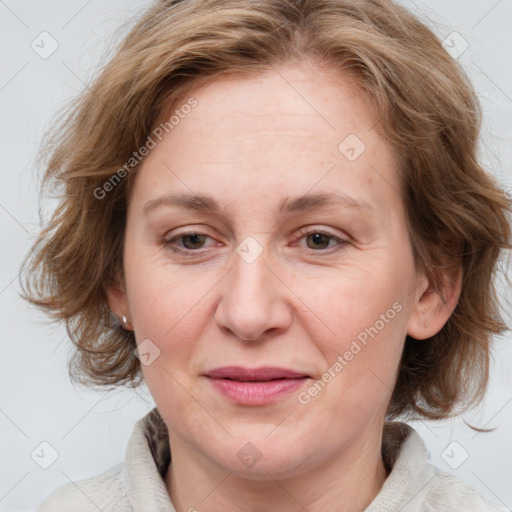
(89, 429)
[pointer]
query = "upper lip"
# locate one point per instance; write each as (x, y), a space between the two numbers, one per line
(254, 374)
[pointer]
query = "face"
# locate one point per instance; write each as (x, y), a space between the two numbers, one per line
(269, 273)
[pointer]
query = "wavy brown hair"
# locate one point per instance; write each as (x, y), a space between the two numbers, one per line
(425, 106)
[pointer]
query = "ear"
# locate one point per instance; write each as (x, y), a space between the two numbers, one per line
(118, 303)
(436, 299)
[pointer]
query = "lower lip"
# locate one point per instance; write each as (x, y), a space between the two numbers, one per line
(256, 393)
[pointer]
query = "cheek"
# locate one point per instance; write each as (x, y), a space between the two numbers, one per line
(355, 304)
(163, 297)
(171, 308)
(365, 324)
(172, 314)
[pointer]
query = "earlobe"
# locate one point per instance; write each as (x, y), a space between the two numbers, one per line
(435, 302)
(118, 304)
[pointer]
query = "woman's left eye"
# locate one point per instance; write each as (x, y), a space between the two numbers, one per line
(318, 240)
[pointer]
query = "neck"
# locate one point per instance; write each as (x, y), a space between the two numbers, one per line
(347, 483)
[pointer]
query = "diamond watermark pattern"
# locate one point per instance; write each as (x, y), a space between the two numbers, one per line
(352, 147)
(455, 45)
(249, 249)
(44, 45)
(455, 455)
(44, 455)
(147, 352)
(249, 455)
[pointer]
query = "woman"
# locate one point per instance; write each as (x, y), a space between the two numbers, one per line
(280, 203)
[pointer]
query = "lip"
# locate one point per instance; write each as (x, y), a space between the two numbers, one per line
(255, 386)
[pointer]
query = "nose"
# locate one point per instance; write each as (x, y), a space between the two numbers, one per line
(254, 301)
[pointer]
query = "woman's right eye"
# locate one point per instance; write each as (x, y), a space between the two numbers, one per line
(186, 242)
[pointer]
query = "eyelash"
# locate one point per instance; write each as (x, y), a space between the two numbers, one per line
(304, 232)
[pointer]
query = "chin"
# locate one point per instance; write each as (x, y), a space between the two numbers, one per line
(265, 457)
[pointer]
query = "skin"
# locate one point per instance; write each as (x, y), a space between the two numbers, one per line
(249, 143)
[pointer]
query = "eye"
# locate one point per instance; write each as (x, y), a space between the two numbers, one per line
(318, 240)
(186, 242)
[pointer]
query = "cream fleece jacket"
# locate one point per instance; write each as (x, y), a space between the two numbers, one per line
(137, 484)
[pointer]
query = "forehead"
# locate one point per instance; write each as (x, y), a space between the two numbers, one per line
(283, 132)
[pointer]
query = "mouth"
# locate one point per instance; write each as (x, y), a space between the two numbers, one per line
(255, 386)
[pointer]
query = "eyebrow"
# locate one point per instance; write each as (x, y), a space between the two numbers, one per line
(288, 205)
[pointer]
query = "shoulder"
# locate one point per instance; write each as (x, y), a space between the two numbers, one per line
(415, 485)
(104, 492)
(448, 493)
(135, 484)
